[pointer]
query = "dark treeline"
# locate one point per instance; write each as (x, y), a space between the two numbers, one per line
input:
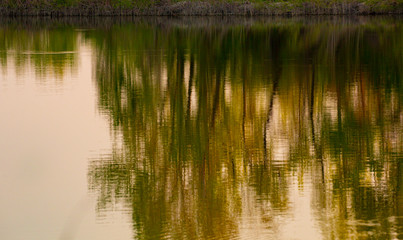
(196, 8)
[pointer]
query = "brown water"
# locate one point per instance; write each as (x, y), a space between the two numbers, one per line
(201, 128)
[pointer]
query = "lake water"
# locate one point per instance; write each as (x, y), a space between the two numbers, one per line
(201, 128)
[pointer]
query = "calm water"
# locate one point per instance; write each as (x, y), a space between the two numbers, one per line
(201, 128)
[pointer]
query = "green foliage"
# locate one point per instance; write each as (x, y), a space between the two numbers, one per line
(241, 7)
(64, 3)
(122, 3)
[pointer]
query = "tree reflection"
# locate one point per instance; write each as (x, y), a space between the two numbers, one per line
(49, 48)
(215, 125)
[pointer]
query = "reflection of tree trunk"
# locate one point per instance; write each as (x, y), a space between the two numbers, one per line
(244, 110)
(399, 191)
(363, 113)
(276, 78)
(216, 98)
(275, 44)
(312, 105)
(177, 103)
(191, 73)
(318, 150)
(362, 89)
(340, 133)
(202, 131)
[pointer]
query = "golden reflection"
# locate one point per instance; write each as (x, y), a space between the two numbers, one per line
(272, 130)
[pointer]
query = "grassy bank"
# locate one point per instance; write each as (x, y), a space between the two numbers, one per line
(197, 8)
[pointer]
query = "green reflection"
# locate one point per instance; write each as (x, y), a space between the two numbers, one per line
(216, 124)
(49, 46)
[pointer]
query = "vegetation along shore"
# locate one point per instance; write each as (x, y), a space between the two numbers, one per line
(197, 8)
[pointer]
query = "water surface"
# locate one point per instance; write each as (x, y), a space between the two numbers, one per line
(201, 128)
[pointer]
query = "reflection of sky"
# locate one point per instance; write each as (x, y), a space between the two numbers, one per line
(48, 131)
(297, 222)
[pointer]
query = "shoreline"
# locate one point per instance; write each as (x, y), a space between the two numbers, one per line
(203, 8)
